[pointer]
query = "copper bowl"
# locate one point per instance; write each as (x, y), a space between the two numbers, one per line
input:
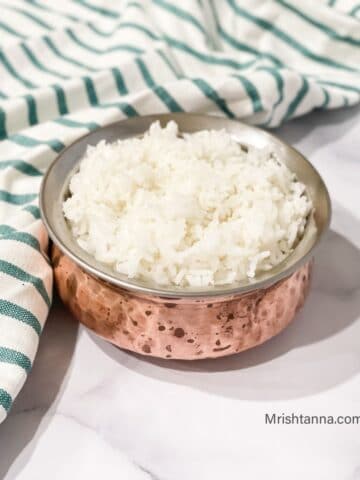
(174, 323)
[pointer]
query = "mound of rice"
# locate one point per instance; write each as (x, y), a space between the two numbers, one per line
(196, 210)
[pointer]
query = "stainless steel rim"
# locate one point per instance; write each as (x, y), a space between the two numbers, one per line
(55, 183)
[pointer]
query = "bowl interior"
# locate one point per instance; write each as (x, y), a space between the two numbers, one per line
(56, 181)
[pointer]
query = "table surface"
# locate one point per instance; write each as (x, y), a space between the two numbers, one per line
(90, 409)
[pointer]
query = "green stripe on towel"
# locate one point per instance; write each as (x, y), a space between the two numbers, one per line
(16, 312)
(16, 272)
(5, 400)
(16, 198)
(21, 166)
(8, 355)
(33, 210)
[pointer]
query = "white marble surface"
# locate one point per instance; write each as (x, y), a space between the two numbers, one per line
(91, 410)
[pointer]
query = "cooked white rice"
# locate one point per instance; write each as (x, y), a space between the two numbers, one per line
(192, 211)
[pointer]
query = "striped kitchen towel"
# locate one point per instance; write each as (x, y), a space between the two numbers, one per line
(68, 67)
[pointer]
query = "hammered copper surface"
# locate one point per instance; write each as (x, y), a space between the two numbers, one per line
(182, 328)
